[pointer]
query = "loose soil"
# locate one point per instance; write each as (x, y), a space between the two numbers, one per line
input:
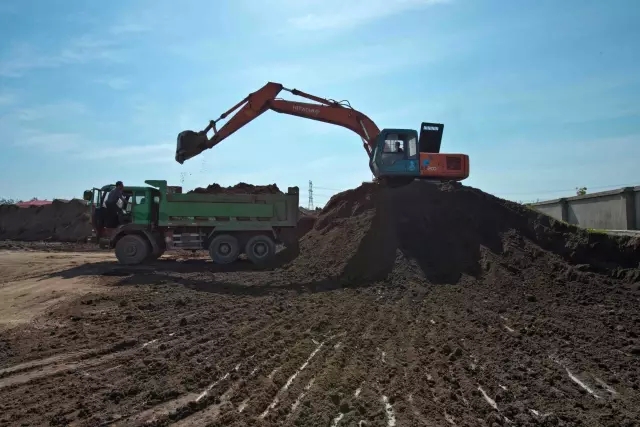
(426, 305)
(241, 188)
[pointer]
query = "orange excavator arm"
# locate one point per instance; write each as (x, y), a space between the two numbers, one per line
(190, 143)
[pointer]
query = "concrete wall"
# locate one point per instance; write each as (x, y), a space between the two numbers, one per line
(608, 210)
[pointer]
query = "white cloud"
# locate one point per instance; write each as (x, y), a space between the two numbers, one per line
(115, 83)
(40, 112)
(128, 28)
(138, 151)
(344, 66)
(331, 15)
(23, 57)
(7, 99)
(47, 141)
(78, 147)
(598, 99)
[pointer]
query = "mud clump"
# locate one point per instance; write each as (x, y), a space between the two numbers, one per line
(60, 221)
(444, 232)
(240, 188)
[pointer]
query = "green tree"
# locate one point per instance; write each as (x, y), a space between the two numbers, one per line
(581, 191)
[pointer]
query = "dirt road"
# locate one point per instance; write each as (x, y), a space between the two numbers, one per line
(184, 345)
(25, 290)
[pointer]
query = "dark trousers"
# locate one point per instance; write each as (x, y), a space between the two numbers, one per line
(111, 219)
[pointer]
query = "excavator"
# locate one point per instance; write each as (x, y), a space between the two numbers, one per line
(396, 156)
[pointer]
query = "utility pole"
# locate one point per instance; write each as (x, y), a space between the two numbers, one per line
(310, 205)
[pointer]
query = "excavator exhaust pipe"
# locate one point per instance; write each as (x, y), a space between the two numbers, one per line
(190, 144)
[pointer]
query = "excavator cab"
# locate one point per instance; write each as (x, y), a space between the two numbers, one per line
(399, 153)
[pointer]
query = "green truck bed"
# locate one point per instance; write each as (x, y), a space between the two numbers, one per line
(226, 211)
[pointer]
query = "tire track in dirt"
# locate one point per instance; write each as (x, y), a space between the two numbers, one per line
(286, 399)
(337, 377)
(349, 367)
(268, 330)
(238, 367)
(33, 364)
(38, 369)
(272, 334)
(237, 384)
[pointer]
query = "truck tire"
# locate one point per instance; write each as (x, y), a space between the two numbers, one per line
(224, 249)
(260, 249)
(132, 249)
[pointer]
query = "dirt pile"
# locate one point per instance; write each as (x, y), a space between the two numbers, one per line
(240, 188)
(306, 221)
(60, 221)
(445, 232)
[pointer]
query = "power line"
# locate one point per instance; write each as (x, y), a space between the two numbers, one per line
(600, 187)
(330, 189)
(310, 206)
(565, 190)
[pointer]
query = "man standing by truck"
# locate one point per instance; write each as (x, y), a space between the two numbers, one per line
(111, 204)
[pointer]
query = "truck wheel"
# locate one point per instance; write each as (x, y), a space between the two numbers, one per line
(132, 249)
(260, 249)
(224, 249)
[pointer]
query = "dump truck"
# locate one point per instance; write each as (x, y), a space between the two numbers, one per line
(157, 217)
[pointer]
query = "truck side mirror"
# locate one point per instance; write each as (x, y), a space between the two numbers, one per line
(88, 195)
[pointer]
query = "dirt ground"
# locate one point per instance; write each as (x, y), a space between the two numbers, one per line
(392, 315)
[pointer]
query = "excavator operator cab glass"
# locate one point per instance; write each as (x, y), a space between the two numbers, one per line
(400, 146)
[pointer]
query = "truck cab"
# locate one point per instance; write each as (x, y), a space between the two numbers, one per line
(140, 207)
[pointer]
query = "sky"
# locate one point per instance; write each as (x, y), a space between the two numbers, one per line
(542, 95)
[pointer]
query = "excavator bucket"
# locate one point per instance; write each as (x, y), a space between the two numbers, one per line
(190, 144)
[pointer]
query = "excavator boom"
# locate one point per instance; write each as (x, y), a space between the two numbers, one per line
(190, 143)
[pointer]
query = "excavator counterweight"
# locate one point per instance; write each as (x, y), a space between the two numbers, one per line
(393, 153)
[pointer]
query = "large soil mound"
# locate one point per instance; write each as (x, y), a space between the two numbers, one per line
(445, 232)
(61, 221)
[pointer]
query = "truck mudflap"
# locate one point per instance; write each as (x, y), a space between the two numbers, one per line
(288, 236)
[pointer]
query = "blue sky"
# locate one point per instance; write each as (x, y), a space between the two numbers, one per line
(543, 95)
